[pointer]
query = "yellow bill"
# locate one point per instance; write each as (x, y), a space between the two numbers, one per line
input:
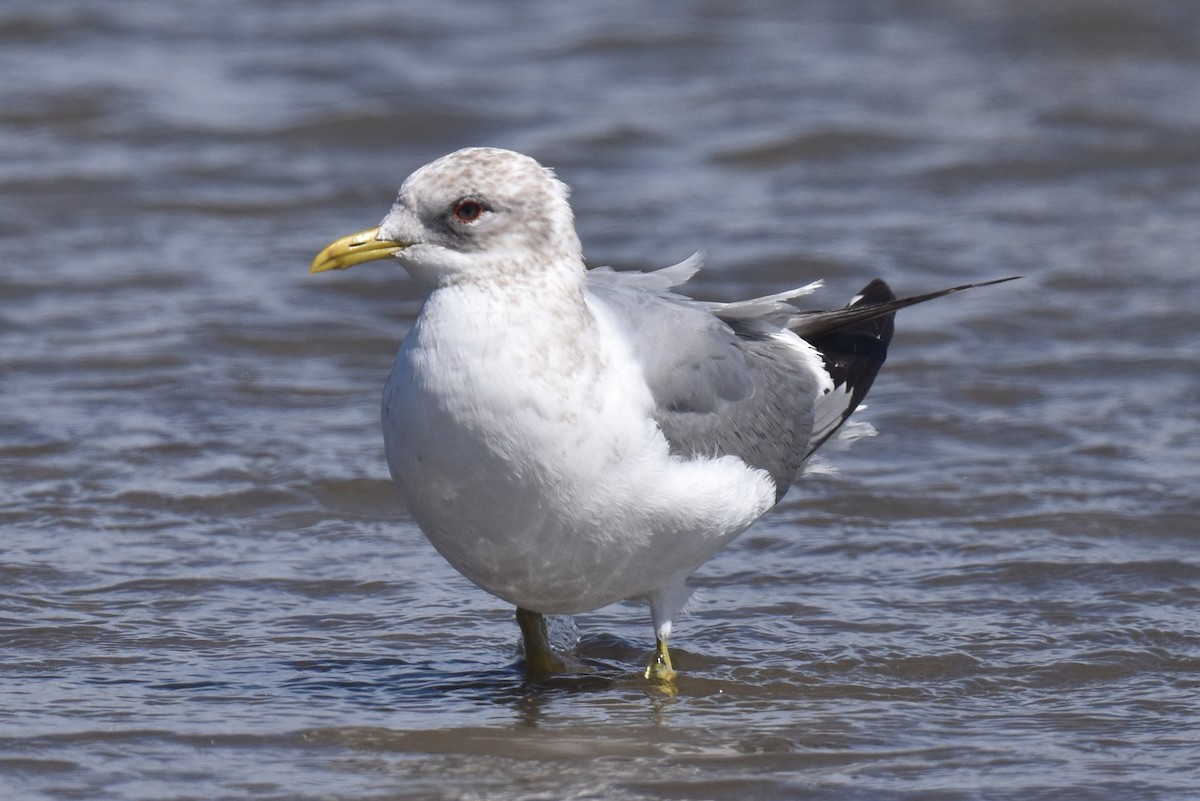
(355, 249)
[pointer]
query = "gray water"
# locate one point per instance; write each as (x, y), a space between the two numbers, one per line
(209, 590)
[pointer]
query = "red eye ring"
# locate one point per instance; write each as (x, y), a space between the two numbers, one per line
(468, 210)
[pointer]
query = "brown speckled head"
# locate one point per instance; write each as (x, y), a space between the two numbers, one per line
(484, 214)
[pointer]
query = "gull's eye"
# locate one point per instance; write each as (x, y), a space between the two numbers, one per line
(468, 210)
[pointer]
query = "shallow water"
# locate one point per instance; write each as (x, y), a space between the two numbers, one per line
(208, 588)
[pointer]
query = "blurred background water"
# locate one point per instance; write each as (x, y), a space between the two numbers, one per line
(209, 590)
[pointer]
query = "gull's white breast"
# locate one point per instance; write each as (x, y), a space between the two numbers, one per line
(518, 427)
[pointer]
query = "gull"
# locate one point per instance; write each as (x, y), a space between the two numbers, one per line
(568, 438)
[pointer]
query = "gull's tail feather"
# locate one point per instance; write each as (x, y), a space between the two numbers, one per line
(853, 342)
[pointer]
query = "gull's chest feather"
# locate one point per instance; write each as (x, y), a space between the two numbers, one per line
(500, 384)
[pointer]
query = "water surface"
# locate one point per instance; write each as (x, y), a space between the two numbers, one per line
(208, 588)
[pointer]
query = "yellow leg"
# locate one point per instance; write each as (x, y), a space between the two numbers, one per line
(540, 658)
(660, 670)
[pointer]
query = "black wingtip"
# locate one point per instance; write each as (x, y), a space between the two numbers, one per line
(873, 293)
(853, 355)
(853, 343)
(810, 324)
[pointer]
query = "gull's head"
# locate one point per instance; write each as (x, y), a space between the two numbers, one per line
(477, 214)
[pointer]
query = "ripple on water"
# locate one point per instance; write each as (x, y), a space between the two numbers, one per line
(209, 589)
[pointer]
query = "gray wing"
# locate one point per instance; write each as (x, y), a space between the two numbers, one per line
(690, 358)
(720, 387)
(723, 384)
(770, 428)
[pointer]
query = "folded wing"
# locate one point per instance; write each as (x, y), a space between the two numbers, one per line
(757, 379)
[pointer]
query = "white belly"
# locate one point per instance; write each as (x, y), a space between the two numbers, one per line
(530, 461)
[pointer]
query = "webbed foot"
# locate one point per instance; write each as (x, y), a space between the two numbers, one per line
(659, 670)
